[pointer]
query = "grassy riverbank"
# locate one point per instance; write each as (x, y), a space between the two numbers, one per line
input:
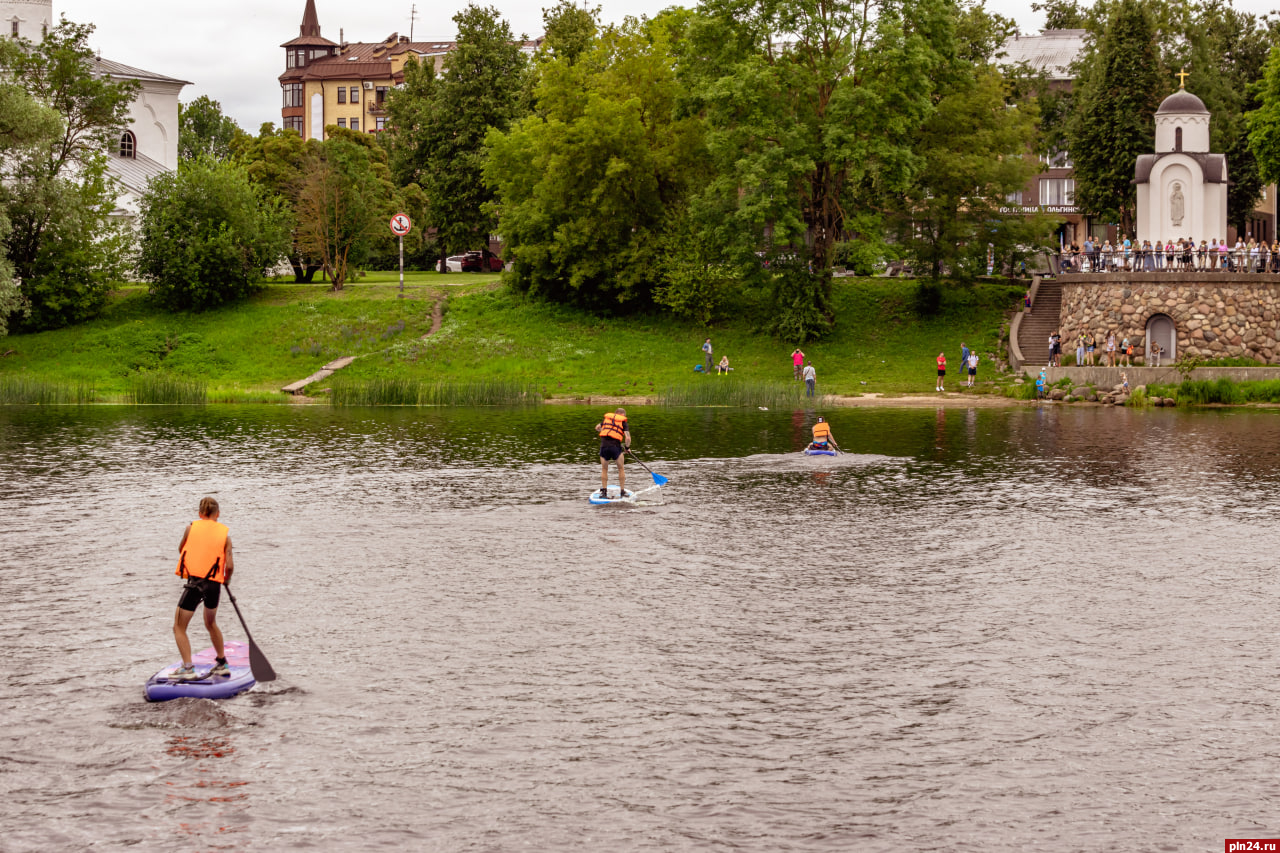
(249, 350)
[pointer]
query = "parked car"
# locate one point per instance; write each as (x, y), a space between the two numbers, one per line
(453, 263)
(474, 262)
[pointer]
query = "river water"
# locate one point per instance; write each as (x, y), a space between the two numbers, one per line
(981, 630)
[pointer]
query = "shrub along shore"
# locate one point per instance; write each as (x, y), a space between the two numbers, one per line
(492, 346)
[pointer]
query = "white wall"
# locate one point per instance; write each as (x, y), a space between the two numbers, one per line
(33, 16)
(1195, 133)
(155, 121)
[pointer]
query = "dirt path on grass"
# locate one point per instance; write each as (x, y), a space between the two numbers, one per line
(437, 317)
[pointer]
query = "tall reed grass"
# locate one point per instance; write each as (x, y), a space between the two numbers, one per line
(728, 391)
(16, 390)
(162, 389)
(416, 392)
(1201, 392)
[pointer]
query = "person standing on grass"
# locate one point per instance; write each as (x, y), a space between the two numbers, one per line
(810, 379)
(973, 368)
(706, 356)
(964, 354)
(204, 562)
(797, 363)
(942, 370)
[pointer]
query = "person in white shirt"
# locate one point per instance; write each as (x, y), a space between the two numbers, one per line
(810, 379)
(973, 367)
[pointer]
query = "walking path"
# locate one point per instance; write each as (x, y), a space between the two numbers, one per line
(437, 318)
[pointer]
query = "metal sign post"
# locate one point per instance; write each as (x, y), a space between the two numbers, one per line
(400, 226)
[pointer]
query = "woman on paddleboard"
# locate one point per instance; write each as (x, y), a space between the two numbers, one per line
(614, 441)
(205, 563)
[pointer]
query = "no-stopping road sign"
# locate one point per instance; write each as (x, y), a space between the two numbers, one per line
(400, 225)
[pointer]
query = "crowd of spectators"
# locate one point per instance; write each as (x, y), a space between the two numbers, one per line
(1172, 256)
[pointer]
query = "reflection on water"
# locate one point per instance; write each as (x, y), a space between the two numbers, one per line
(978, 630)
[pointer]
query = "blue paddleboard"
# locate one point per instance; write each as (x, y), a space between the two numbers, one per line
(808, 451)
(160, 689)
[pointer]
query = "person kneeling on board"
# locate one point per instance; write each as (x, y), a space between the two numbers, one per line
(615, 439)
(822, 438)
(205, 563)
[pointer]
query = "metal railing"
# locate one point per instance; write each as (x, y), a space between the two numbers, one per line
(1255, 259)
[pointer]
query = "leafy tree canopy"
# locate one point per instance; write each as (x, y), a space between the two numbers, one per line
(63, 244)
(203, 131)
(587, 185)
(208, 235)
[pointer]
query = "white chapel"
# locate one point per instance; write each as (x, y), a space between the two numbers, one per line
(1182, 188)
(149, 145)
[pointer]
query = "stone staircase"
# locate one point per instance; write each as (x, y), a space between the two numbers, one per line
(1039, 324)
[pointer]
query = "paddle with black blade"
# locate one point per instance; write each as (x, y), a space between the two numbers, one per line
(658, 479)
(258, 663)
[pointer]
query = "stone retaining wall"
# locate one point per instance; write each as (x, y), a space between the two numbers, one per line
(1220, 315)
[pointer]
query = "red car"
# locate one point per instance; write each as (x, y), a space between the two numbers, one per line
(474, 262)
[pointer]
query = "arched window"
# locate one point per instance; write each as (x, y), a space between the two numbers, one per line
(1177, 139)
(128, 144)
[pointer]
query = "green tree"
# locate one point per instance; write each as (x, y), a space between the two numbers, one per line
(1225, 51)
(811, 110)
(1113, 121)
(203, 131)
(440, 124)
(588, 185)
(24, 123)
(279, 161)
(1264, 122)
(974, 148)
(64, 245)
(1061, 14)
(345, 202)
(208, 235)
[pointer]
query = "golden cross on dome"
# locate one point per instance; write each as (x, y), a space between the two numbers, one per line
(1182, 78)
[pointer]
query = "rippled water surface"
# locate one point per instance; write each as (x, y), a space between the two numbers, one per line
(979, 631)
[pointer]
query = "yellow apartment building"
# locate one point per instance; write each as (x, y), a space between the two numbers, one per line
(329, 83)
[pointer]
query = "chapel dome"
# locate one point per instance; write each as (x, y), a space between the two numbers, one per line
(1182, 102)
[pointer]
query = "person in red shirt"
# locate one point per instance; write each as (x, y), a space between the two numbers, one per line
(942, 370)
(797, 363)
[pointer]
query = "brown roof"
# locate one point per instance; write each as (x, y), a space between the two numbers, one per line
(368, 60)
(1214, 166)
(309, 32)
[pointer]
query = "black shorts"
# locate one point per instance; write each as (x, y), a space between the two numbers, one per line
(196, 591)
(610, 449)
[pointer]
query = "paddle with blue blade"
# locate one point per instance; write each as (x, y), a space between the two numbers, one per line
(658, 479)
(258, 663)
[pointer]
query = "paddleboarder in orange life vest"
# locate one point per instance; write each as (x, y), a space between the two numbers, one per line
(822, 437)
(614, 441)
(205, 563)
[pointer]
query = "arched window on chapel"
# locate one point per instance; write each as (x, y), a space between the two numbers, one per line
(128, 145)
(1177, 139)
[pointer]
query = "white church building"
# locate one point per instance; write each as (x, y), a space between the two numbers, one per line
(149, 145)
(1182, 188)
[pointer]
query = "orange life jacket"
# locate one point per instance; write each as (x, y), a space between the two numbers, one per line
(821, 432)
(204, 554)
(614, 426)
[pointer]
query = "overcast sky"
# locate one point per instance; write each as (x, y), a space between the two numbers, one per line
(229, 49)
